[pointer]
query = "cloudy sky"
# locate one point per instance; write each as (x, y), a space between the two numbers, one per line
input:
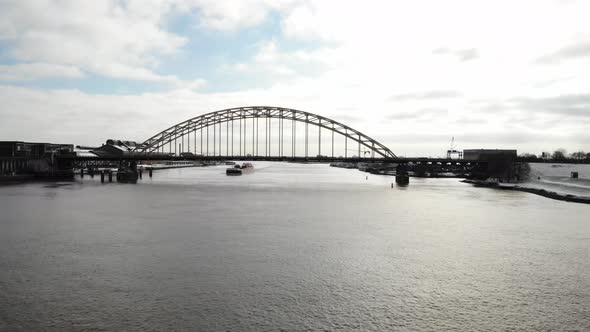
(412, 74)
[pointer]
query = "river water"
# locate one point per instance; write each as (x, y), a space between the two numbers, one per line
(291, 247)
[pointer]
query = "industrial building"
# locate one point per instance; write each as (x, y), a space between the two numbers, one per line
(17, 157)
(32, 150)
(487, 154)
(500, 163)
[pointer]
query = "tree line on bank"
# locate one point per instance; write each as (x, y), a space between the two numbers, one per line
(558, 156)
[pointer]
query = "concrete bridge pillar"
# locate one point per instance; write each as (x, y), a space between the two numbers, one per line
(401, 175)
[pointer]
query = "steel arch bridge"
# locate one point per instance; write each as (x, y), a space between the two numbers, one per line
(235, 121)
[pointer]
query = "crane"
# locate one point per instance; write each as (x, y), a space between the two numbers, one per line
(453, 150)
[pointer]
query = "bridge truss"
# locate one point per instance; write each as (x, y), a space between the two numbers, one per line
(234, 135)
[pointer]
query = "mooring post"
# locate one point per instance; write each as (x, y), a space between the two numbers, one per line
(140, 173)
(81, 172)
(91, 171)
(110, 176)
(101, 176)
(151, 172)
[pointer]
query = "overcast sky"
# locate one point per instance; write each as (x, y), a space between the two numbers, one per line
(411, 74)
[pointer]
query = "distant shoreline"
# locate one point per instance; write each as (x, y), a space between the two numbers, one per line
(537, 191)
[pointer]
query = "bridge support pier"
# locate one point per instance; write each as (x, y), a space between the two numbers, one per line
(82, 173)
(101, 176)
(128, 172)
(401, 175)
(110, 176)
(151, 170)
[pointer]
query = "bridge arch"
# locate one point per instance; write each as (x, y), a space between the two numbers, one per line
(214, 120)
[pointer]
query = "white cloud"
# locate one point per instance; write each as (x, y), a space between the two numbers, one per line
(110, 38)
(118, 39)
(490, 53)
(272, 63)
(233, 15)
(35, 71)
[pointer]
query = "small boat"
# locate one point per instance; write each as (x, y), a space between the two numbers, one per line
(239, 170)
(236, 170)
(230, 163)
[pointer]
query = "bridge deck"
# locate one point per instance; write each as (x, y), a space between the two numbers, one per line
(158, 157)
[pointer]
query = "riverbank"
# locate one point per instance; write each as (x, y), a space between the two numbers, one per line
(532, 190)
(549, 180)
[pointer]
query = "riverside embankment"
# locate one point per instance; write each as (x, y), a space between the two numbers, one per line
(553, 181)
